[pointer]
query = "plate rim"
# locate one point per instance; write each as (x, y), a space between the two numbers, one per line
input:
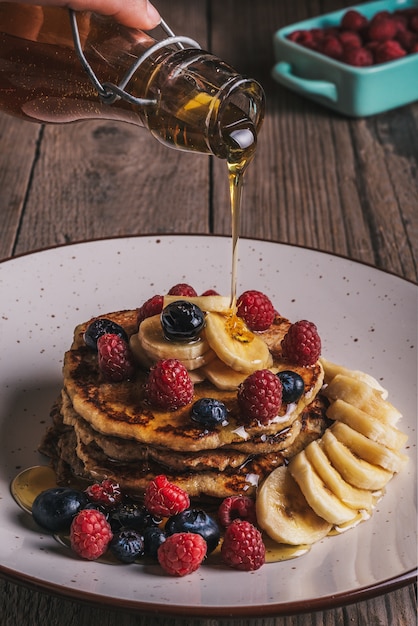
(285, 244)
(272, 609)
(279, 609)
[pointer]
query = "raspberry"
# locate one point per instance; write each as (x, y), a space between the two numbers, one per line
(107, 493)
(164, 498)
(353, 20)
(332, 47)
(256, 310)
(359, 42)
(243, 546)
(382, 28)
(182, 289)
(236, 507)
(210, 292)
(301, 344)
(169, 385)
(90, 534)
(153, 306)
(182, 553)
(260, 396)
(381, 15)
(359, 57)
(307, 38)
(301, 37)
(350, 39)
(407, 39)
(388, 51)
(115, 358)
(401, 22)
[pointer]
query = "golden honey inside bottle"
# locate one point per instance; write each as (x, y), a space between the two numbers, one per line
(199, 103)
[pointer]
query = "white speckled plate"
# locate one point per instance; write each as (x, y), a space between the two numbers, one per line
(367, 320)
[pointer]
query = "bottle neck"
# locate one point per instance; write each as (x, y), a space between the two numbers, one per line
(187, 98)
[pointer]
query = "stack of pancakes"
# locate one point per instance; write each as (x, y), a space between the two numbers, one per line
(109, 430)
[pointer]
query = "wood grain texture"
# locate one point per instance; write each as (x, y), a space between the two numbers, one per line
(348, 186)
(321, 180)
(19, 142)
(22, 607)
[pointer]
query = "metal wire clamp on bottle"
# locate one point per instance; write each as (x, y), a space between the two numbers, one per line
(62, 67)
(109, 92)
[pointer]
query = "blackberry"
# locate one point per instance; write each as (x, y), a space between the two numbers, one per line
(132, 515)
(182, 321)
(208, 412)
(292, 386)
(96, 506)
(101, 327)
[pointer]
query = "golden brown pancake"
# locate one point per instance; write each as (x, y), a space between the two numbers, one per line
(128, 450)
(121, 409)
(77, 454)
(109, 430)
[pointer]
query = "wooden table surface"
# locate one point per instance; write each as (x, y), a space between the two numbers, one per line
(336, 184)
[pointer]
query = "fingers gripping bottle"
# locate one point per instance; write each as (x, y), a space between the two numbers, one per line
(59, 66)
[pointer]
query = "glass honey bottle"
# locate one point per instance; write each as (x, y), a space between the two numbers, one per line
(59, 66)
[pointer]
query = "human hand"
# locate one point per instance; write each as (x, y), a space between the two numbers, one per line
(133, 13)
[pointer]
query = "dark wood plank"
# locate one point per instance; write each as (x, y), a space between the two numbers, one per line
(345, 186)
(101, 178)
(342, 185)
(22, 607)
(18, 149)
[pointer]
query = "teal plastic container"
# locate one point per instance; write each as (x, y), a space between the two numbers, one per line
(352, 91)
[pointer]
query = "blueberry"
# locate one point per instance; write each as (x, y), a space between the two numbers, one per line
(195, 521)
(292, 385)
(182, 321)
(55, 508)
(208, 412)
(153, 538)
(96, 506)
(127, 545)
(132, 515)
(100, 327)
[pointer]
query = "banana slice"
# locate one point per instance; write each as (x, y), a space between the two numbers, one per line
(139, 353)
(323, 501)
(367, 425)
(369, 450)
(353, 497)
(192, 354)
(361, 395)
(283, 512)
(197, 376)
(219, 304)
(354, 470)
(332, 369)
(222, 376)
(235, 345)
